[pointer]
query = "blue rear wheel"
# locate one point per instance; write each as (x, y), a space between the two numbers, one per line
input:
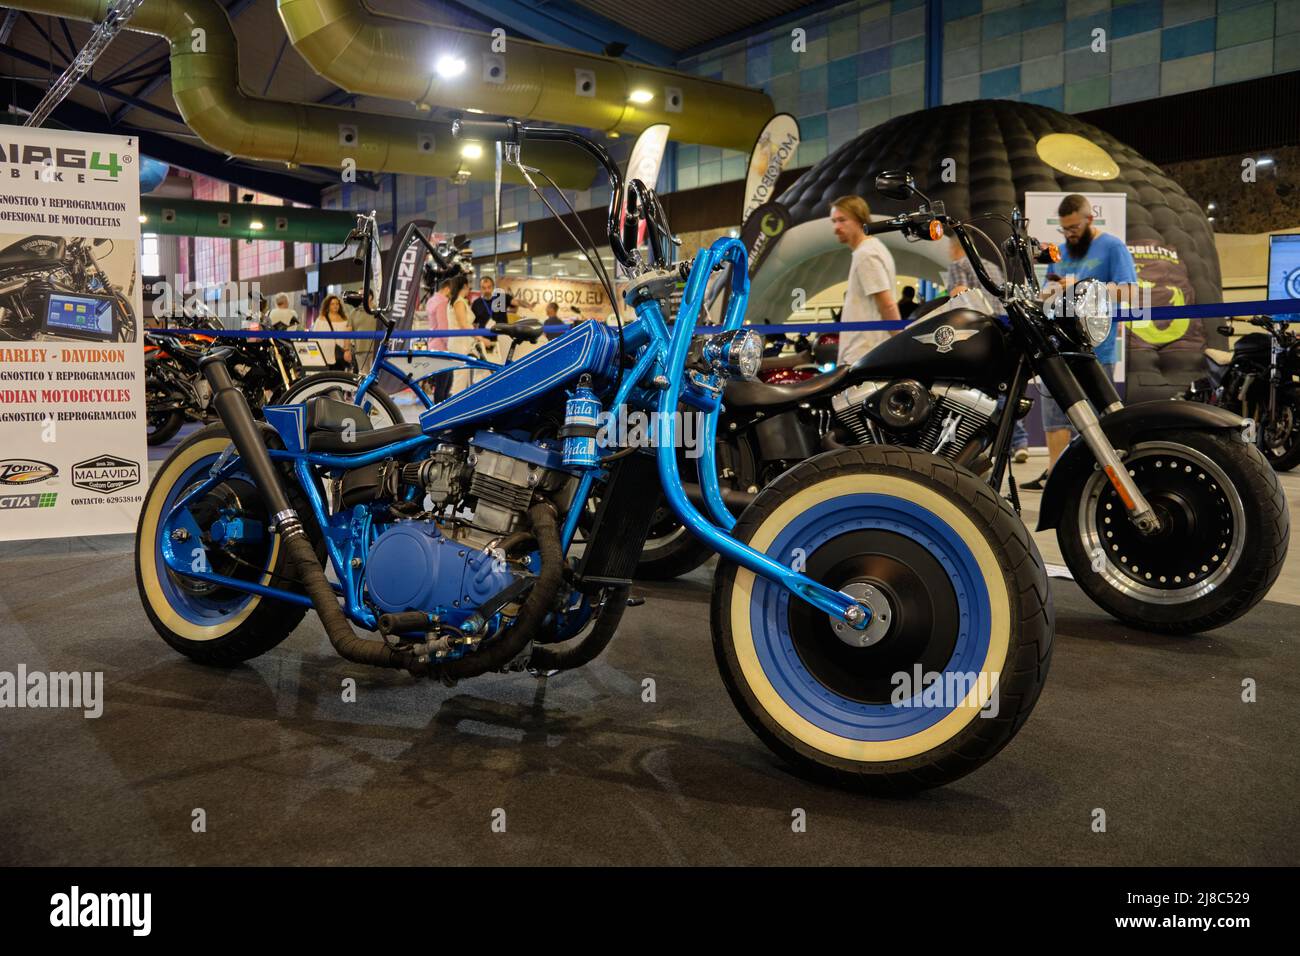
(226, 531)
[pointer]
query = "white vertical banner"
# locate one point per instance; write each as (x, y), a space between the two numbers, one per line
(1110, 214)
(773, 150)
(72, 406)
(643, 164)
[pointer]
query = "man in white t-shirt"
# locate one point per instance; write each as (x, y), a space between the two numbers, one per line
(870, 294)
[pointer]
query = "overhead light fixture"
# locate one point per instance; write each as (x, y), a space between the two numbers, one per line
(1264, 161)
(1211, 207)
(256, 224)
(144, 218)
(470, 109)
(510, 225)
(640, 96)
(449, 66)
(472, 151)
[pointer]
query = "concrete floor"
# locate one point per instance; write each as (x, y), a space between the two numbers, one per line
(1151, 730)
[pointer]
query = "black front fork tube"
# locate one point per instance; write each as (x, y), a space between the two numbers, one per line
(1060, 380)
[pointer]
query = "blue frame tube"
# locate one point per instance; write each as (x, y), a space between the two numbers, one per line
(823, 598)
(654, 334)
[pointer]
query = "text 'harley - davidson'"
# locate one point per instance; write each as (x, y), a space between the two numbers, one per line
(853, 573)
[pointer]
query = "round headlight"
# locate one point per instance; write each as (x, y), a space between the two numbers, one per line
(734, 354)
(1092, 311)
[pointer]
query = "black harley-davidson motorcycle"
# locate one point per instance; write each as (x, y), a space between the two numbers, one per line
(1259, 379)
(1167, 515)
(176, 391)
(54, 288)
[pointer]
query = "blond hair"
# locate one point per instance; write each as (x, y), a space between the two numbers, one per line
(854, 206)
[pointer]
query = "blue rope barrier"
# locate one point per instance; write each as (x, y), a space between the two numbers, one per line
(1210, 310)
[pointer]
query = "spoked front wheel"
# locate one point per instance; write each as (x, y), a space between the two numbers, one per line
(1224, 532)
(960, 637)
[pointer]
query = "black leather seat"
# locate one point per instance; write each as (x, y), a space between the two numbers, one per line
(336, 443)
(525, 330)
(328, 431)
(743, 394)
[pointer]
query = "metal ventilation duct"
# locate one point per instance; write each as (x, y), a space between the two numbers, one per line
(397, 58)
(205, 85)
(193, 217)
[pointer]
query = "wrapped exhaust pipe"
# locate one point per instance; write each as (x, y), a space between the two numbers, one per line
(235, 414)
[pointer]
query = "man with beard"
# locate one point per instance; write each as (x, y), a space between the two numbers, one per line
(1088, 254)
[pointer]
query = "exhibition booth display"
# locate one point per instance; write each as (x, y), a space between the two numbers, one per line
(881, 616)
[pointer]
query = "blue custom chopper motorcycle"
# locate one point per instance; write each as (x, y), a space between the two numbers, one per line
(880, 618)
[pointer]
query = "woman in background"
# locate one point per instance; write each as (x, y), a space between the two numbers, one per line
(459, 316)
(337, 352)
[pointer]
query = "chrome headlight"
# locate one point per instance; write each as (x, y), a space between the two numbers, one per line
(1092, 311)
(734, 354)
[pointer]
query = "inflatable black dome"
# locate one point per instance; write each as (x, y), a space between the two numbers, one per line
(995, 146)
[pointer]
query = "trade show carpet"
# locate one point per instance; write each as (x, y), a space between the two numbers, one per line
(1151, 730)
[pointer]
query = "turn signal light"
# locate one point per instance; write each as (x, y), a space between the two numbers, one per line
(1053, 251)
(936, 229)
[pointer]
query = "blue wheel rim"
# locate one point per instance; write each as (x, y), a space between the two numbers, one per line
(196, 608)
(769, 616)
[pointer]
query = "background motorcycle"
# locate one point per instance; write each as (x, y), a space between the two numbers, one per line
(33, 268)
(176, 391)
(451, 537)
(1167, 517)
(1259, 381)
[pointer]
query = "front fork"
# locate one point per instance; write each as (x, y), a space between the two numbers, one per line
(1069, 390)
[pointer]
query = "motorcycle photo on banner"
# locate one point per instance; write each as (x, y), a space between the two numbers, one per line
(72, 396)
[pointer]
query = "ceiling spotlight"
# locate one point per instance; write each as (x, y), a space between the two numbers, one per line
(256, 224)
(449, 66)
(1211, 207)
(472, 151)
(144, 218)
(640, 96)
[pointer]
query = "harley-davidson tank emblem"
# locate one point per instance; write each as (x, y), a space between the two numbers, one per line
(945, 337)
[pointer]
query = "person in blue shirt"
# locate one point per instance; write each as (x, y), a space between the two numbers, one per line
(1088, 254)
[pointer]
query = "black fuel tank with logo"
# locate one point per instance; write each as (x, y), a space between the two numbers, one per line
(960, 345)
(33, 252)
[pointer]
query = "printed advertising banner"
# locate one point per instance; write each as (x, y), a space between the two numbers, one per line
(72, 406)
(775, 147)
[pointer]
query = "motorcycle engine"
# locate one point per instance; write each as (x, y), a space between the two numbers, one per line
(449, 559)
(941, 420)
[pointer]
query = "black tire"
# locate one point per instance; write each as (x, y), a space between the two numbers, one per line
(260, 624)
(1285, 454)
(164, 431)
(1172, 606)
(343, 386)
(671, 551)
(1017, 625)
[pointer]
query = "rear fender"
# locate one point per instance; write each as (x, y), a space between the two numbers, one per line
(1124, 428)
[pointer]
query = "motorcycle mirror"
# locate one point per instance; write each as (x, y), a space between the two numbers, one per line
(99, 242)
(895, 184)
(631, 220)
